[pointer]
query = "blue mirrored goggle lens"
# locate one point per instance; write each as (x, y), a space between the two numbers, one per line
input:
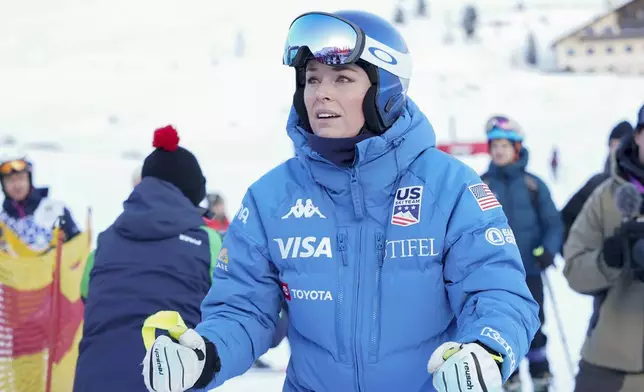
(330, 40)
(500, 133)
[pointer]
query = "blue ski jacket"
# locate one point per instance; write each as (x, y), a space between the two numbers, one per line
(531, 213)
(379, 264)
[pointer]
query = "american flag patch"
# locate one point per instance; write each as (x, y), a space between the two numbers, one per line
(484, 197)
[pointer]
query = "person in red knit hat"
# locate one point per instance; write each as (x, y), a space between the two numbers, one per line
(159, 254)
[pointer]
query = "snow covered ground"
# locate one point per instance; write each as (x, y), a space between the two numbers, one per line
(84, 82)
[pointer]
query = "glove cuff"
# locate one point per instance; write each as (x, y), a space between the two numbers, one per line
(211, 366)
(545, 260)
(498, 358)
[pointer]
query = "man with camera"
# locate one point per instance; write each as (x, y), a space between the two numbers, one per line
(605, 258)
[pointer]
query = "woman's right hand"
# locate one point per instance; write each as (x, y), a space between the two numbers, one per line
(175, 367)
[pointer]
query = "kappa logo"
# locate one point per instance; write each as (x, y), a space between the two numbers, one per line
(300, 210)
(407, 203)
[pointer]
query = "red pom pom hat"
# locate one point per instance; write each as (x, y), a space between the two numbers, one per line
(174, 165)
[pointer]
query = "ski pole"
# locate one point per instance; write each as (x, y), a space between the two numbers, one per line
(562, 333)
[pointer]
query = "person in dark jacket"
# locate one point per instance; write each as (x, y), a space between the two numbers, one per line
(535, 223)
(28, 211)
(158, 255)
(576, 202)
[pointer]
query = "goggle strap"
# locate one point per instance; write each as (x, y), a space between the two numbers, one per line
(386, 57)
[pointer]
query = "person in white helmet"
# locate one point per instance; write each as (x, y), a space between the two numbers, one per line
(28, 211)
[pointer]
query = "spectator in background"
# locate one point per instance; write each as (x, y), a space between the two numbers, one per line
(554, 163)
(536, 224)
(217, 207)
(136, 180)
(158, 255)
(576, 202)
(28, 211)
(605, 258)
(470, 21)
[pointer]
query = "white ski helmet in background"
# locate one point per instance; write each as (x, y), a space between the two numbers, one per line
(12, 161)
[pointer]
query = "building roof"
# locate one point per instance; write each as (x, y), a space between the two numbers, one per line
(624, 33)
(594, 21)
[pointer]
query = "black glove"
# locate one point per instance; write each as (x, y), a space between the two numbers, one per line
(621, 247)
(543, 258)
(614, 251)
(637, 255)
(633, 229)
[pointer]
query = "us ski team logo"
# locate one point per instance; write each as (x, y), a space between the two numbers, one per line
(407, 203)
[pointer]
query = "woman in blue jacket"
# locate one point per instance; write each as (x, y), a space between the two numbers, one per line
(383, 247)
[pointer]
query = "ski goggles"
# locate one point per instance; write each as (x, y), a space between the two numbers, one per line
(333, 40)
(16, 165)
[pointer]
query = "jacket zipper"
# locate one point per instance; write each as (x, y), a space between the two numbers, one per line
(375, 306)
(339, 325)
(356, 335)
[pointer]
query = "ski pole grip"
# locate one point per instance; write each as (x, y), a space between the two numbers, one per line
(167, 320)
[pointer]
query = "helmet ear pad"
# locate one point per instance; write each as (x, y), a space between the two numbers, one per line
(372, 117)
(381, 115)
(298, 99)
(373, 120)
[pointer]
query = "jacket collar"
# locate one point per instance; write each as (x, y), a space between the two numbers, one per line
(26, 207)
(379, 162)
(512, 170)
